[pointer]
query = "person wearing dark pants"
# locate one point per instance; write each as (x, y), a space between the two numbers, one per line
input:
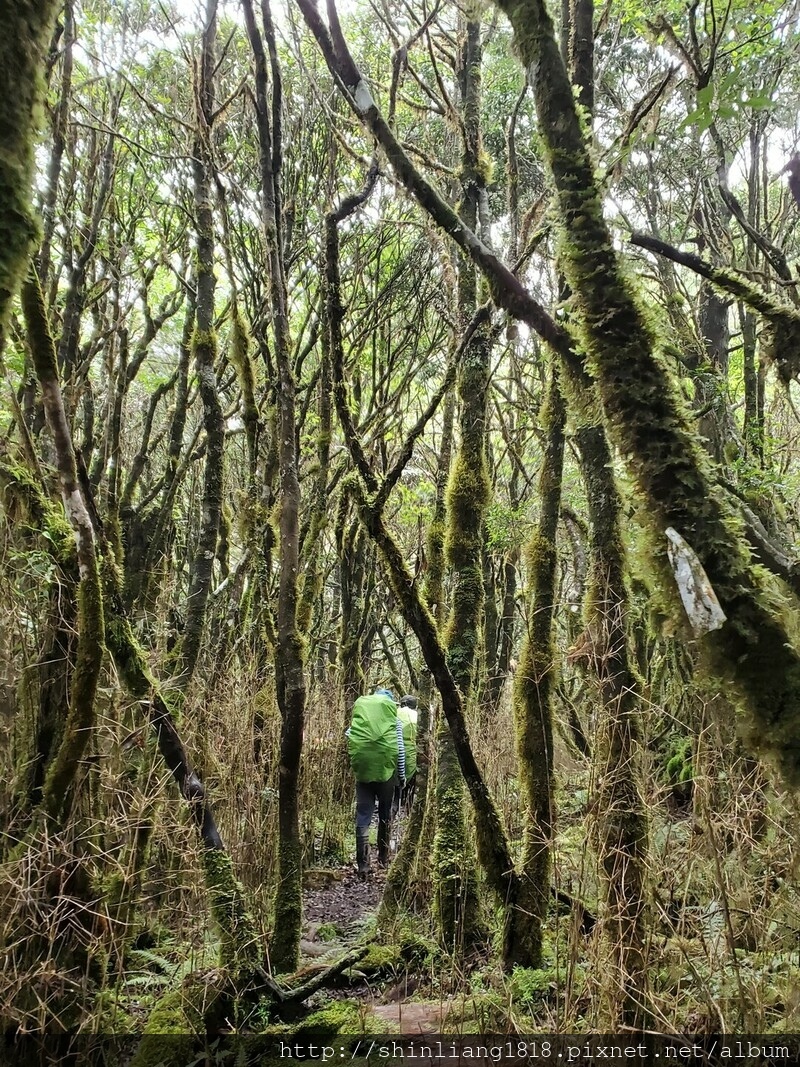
(366, 795)
(377, 757)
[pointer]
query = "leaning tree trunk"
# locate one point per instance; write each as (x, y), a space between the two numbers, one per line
(648, 423)
(408, 881)
(78, 729)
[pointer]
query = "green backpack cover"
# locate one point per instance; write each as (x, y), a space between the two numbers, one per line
(408, 717)
(372, 740)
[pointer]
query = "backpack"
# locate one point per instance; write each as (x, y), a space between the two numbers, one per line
(372, 741)
(408, 717)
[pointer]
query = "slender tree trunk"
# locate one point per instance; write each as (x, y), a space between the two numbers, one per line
(290, 649)
(534, 683)
(204, 343)
(60, 118)
(620, 823)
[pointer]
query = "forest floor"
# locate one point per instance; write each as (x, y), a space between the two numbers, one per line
(338, 907)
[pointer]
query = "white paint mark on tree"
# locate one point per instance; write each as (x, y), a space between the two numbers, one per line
(362, 98)
(699, 599)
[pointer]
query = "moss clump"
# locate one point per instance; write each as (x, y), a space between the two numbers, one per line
(336, 1017)
(381, 959)
(46, 519)
(180, 1015)
(481, 1013)
(328, 932)
(112, 1016)
(678, 768)
(529, 985)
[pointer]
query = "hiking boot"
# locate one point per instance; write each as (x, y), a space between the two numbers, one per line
(384, 833)
(362, 852)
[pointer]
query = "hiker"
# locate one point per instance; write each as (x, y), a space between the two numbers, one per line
(407, 713)
(378, 759)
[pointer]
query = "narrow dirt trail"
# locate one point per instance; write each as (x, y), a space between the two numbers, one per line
(335, 898)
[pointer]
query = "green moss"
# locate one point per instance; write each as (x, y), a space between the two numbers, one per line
(285, 944)
(78, 728)
(25, 35)
(381, 959)
(344, 1017)
(179, 1017)
(112, 1017)
(205, 338)
(328, 932)
(337, 1017)
(483, 1013)
(47, 518)
(529, 985)
(240, 949)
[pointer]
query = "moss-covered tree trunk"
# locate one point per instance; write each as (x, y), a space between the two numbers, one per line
(647, 421)
(24, 35)
(76, 733)
(204, 345)
(619, 820)
(467, 497)
(290, 647)
(534, 683)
